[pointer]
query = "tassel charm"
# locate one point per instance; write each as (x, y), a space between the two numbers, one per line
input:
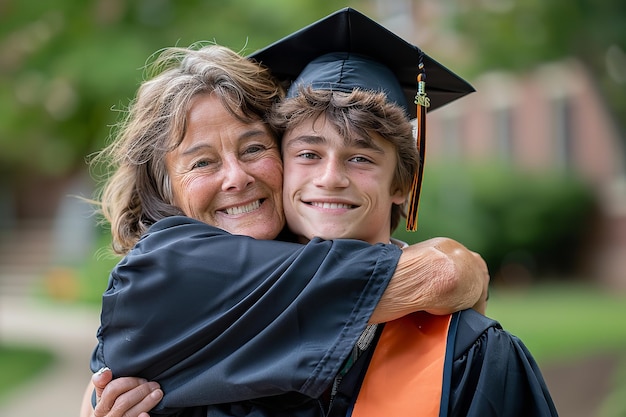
(421, 99)
(423, 102)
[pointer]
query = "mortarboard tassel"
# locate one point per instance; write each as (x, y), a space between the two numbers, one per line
(423, 102)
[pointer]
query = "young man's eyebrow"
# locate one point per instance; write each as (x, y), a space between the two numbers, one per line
(306, 140)
(355, 142)
(363, 143)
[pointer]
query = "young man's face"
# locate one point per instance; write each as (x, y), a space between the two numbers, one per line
(337, 187)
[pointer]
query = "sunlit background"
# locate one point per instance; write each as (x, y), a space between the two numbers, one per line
(530, 170)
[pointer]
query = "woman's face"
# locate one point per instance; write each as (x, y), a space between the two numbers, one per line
(227, 173)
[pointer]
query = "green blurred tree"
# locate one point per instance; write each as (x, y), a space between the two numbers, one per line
(520, 34)
(68, 66)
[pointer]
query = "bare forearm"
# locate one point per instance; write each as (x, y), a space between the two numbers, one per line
(439, 276)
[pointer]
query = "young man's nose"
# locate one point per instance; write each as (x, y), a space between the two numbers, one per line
(332, 175)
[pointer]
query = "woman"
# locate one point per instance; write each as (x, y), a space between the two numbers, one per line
(195, 150)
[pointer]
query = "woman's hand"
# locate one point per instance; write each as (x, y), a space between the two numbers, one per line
(122, 397)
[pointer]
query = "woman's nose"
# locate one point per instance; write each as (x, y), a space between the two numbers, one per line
(235, 175)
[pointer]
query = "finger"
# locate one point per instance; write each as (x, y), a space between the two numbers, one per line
(100, 380)
(147, 404)
(137, 401)
(123, 393)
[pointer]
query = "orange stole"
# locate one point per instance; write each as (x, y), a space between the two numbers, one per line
(405, 375)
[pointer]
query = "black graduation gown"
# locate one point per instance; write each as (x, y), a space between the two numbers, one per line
(488, 373)
(192, 307)
(492, 372)
(243, 329)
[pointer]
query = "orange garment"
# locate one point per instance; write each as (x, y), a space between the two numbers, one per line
(405, 375)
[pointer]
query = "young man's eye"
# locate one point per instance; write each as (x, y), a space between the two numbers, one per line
(360, 159)
(307, 155)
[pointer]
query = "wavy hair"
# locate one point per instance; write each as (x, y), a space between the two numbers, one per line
(357, 113)
(137, 190)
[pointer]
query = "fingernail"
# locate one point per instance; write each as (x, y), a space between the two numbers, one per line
(102, 370)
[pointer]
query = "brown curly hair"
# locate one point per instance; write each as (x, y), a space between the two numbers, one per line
(357, 113)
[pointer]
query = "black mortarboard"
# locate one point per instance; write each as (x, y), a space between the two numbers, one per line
(348, 50)
(349, 31)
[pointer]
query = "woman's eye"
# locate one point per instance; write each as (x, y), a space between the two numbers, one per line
(200, 164)
(252, 149)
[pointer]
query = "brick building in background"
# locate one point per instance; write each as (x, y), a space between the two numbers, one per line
(551, 118)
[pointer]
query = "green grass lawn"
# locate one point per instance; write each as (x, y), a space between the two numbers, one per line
(560, 323)
(19, 364)
(564, 321)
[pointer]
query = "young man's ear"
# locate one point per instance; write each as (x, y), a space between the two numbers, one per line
(398, 196)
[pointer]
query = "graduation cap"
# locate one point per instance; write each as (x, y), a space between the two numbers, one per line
(348, 50)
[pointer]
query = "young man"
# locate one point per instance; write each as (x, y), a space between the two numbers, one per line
(350, 160)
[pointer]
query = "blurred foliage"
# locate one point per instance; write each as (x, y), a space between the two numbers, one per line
(534, 223)
(520, 34)
(93, 274)
(570, 306)
(84, 281)
(65, 64)
(19, 364)
(67, 67)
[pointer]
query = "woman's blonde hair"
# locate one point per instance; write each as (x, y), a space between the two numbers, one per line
(137, 190)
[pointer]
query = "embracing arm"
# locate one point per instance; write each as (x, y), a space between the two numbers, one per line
(439, 276)
(165, 306)
(194, 307)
